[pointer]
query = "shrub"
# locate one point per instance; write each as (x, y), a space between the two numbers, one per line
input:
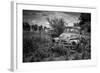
(60, 50)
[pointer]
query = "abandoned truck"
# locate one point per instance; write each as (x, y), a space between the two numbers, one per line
(69, 36)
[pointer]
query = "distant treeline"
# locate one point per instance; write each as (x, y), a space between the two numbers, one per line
(35, 27)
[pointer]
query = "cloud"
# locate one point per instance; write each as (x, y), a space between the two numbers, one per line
(39, 17)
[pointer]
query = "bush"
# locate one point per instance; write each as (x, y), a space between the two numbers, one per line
(60, 50)
(84, 48)
(28, 46)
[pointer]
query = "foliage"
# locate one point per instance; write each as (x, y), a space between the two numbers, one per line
(26, 26)
(85, 22)
(57, 25)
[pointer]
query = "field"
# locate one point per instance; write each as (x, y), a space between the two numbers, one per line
(38, 46)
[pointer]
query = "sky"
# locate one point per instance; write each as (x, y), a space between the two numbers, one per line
(40, 17)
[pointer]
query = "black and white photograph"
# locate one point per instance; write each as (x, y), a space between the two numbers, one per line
(55, 36)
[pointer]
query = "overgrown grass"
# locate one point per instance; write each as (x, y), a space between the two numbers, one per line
(39, 47)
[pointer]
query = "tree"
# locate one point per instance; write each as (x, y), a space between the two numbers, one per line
(26, 26)
(85, 17)
(40, 28)
(85, 22)
(35, 27)
(57, 25)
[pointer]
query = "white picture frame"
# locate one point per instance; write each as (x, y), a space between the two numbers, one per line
(16, 51)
